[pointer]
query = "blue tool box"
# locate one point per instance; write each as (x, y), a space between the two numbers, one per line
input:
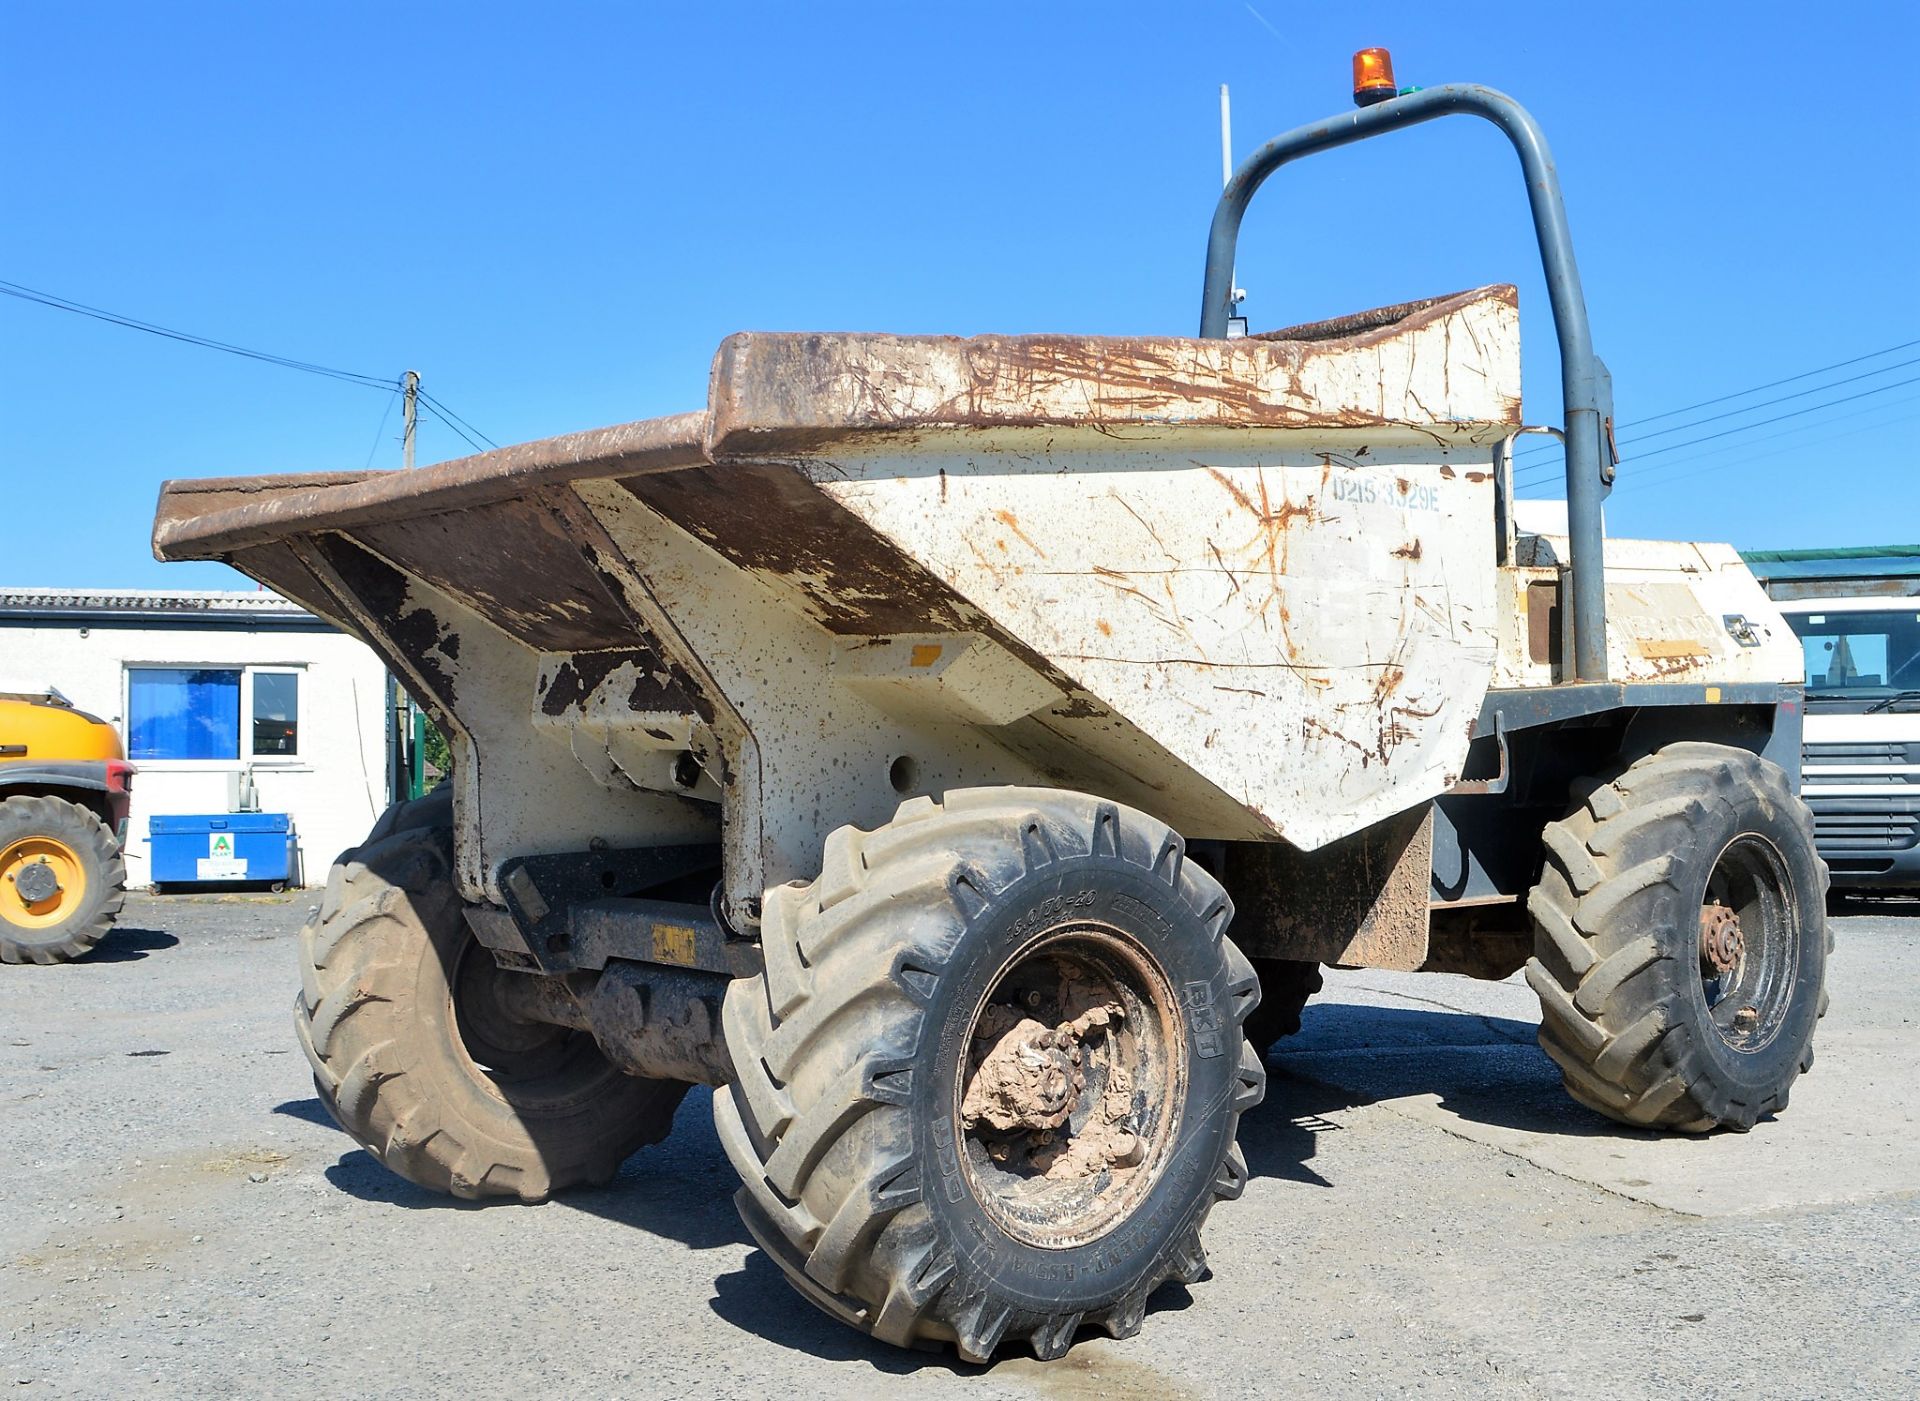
(190, 848)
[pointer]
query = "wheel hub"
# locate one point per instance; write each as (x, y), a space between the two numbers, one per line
(492, 1030)
(1027, 1075)
(1722, 945)
(1067, 1105)
(42, 882)
(37, 881)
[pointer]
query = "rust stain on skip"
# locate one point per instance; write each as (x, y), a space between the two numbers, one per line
(1012, 522)
(1272, 548)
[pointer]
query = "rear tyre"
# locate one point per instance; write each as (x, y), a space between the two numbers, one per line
(416, 1058)
(62, 880)
(989, 1082)
(1681, 941)
(1286, 985)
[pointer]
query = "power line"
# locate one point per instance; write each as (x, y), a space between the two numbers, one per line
(454, 421)
(1790, 379)
(1797, 394)
(446, 415)
(47, 299)
(1740, 428)
(1758, 388)
(385, 414)
(1800, 437)
(1743, 428)
(1719, 417)
(1776, 452)
(1748, 444)
(435, 410)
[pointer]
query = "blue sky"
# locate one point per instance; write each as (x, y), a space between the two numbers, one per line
(554, 213)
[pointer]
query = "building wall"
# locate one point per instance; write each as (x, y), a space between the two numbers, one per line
(334, 788)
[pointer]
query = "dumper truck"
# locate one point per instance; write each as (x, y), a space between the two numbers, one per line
(65, 787)
(949, 749)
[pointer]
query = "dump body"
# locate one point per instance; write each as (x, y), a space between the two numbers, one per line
(1258, 588)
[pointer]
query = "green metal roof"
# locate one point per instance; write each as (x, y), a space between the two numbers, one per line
(1850, 562)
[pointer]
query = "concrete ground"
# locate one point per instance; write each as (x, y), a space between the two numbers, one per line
(1428, 1215)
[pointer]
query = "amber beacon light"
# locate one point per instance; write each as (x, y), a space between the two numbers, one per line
(1372, 77)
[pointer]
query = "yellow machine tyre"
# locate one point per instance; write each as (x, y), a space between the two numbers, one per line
(62, 880)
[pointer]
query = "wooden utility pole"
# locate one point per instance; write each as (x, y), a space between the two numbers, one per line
(410, 393)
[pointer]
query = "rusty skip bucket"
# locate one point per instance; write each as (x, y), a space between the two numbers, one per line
(1246, 585)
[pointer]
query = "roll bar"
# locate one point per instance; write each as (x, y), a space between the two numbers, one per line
(1586, 389)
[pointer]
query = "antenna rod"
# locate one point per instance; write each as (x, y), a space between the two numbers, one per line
(1226, 137)
(1226, 178)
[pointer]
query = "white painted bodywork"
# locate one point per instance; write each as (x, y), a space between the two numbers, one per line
(1668, 605)
(1309, 632)
(1822, 778)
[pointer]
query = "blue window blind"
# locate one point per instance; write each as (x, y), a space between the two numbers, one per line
(181, 713)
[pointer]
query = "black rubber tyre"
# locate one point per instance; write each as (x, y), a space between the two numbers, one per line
(1286, 985)
(415, 1071)
(860, 1177)
(48, 930)
(1639, 1028)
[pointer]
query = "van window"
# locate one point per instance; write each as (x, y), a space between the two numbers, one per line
(1864, 654)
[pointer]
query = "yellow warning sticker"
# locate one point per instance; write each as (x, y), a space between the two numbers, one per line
(674, 943)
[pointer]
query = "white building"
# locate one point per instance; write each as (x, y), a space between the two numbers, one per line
(224, 700)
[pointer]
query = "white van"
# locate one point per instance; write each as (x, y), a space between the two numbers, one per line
(1861, 742)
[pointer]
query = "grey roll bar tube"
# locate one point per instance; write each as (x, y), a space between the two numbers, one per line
(1584, 385)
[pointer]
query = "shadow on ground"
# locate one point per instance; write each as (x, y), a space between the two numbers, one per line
(1483, 1068)
(125, 945)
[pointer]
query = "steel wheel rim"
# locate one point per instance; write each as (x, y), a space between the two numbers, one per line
(512, 1058)
(69, 873)
(1091, 1173)
(1747, 1004)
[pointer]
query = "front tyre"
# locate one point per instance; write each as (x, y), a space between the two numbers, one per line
(1681, 941)
(62, 880)
(419, 1060)
(989, 1082)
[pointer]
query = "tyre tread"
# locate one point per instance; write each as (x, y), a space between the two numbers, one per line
(1609, 1019)
(822, 1190)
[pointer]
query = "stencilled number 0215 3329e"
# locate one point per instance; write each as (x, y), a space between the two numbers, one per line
(1364, 490)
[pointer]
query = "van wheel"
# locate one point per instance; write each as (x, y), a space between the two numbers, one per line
(989, 1082)
(1681, 941)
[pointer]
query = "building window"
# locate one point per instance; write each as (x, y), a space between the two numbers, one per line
(194, 713)
(181, 713)
(276, 713)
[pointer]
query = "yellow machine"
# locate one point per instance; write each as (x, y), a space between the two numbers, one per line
(65, 786)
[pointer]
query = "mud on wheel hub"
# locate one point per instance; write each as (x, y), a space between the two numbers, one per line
(1070, 1099)
(1749, 943)
(1721, 942)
